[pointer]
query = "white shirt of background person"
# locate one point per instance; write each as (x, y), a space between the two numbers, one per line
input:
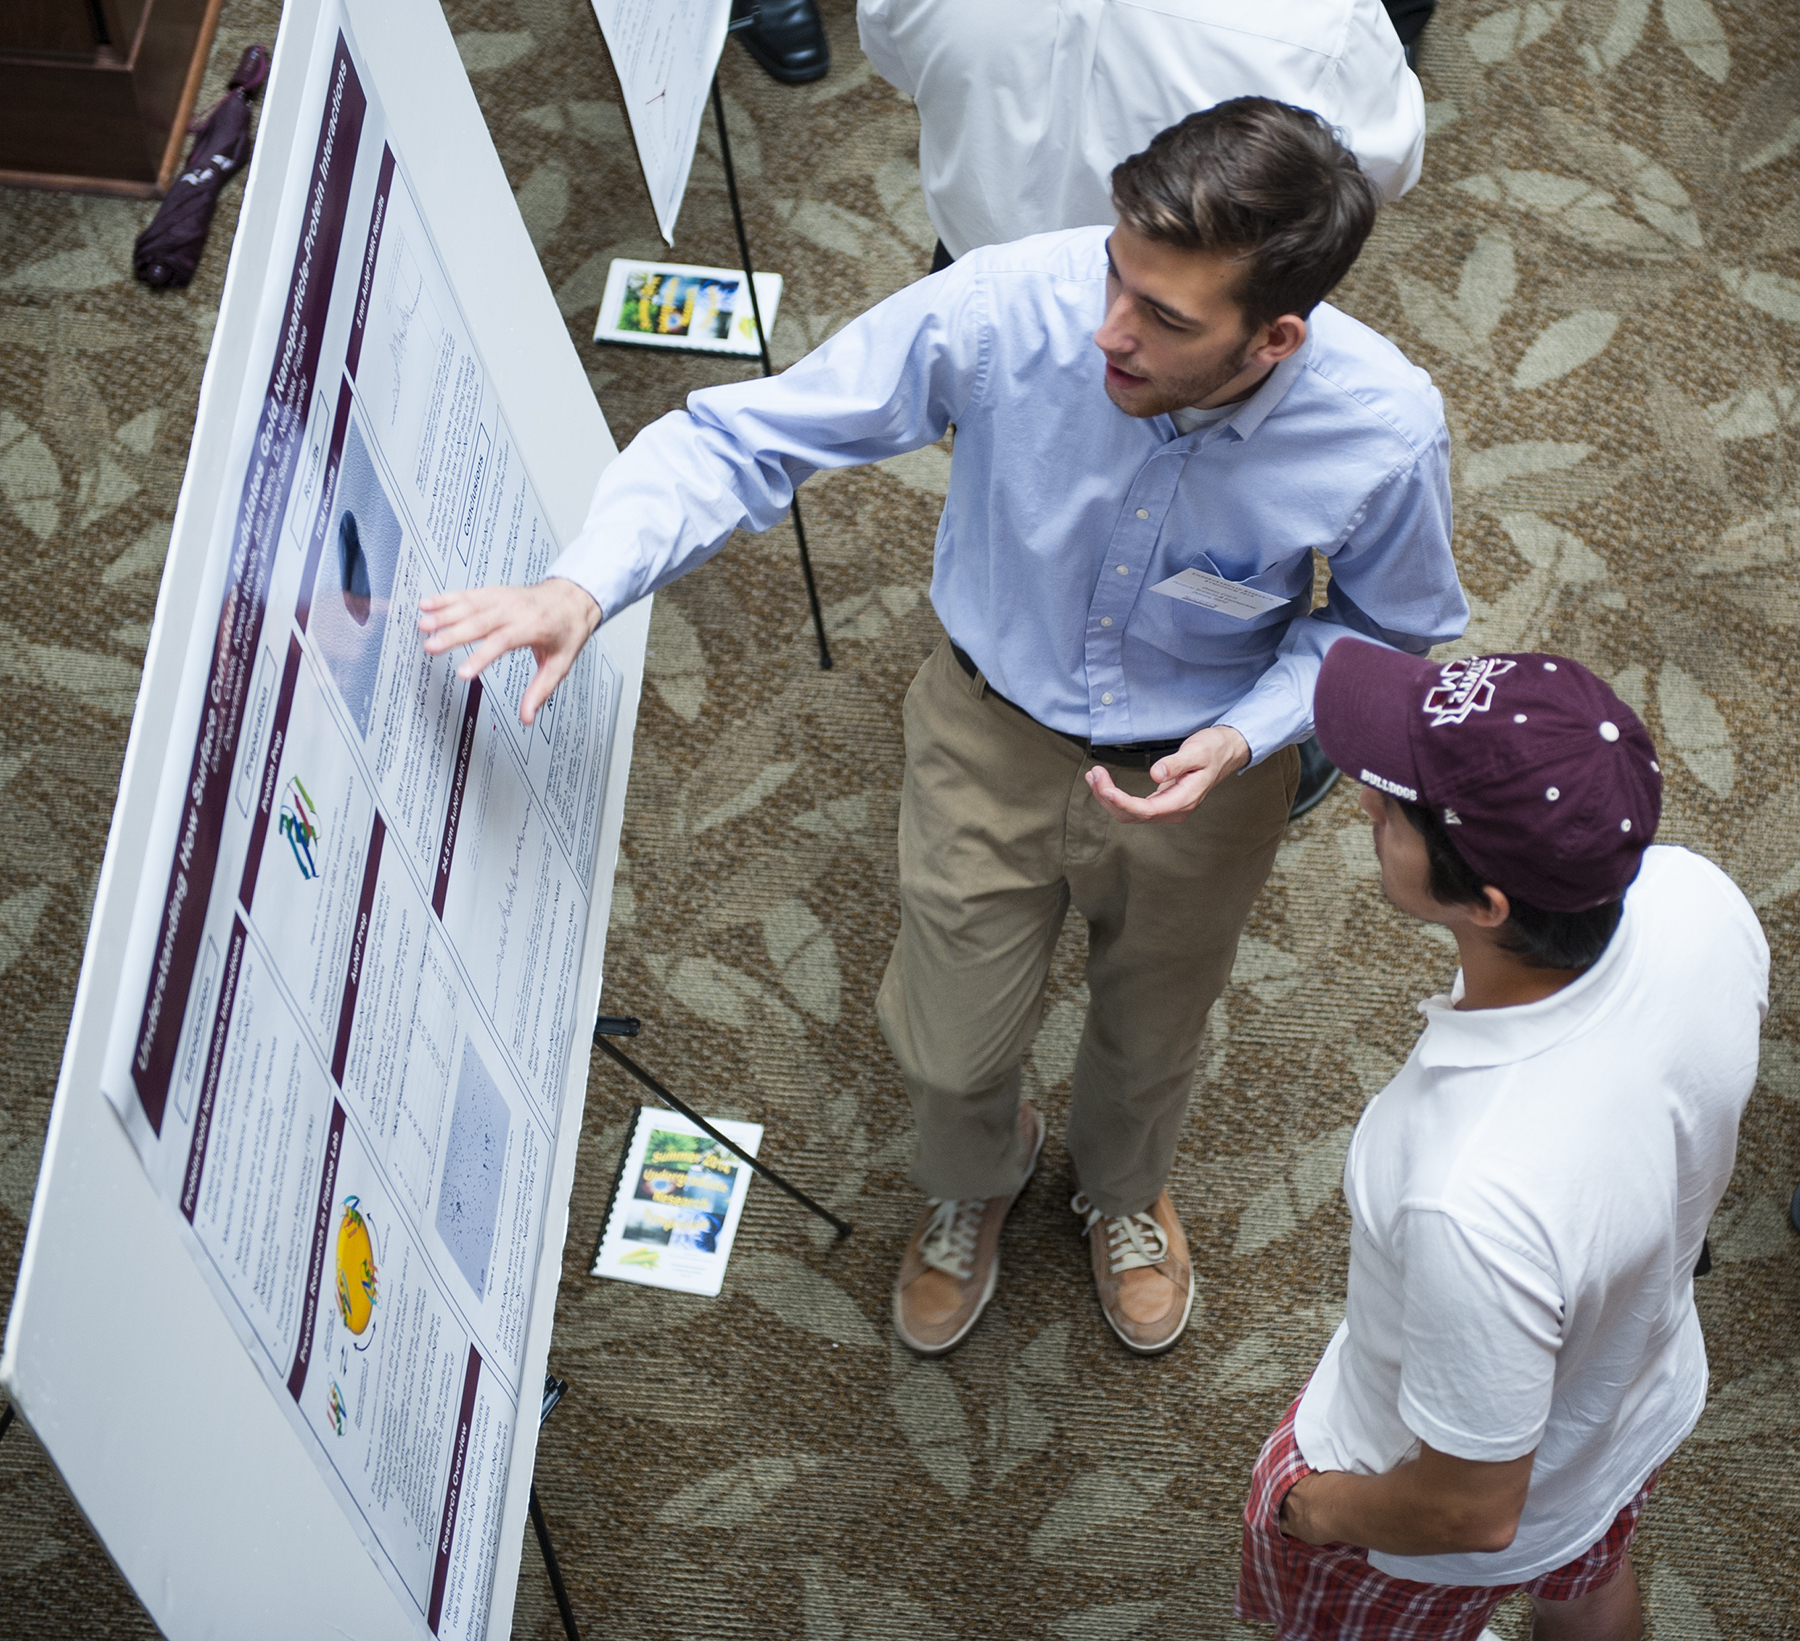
(1025, 106)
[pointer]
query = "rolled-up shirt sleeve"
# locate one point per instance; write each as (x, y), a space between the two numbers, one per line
(1393, 580)
(1479, 1339)
(890, 381)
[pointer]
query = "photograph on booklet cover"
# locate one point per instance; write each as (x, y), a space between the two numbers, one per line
(676, 1204)
(699, 310)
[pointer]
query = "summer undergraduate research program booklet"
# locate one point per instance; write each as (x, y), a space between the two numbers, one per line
(672, 305)
(675, 1208)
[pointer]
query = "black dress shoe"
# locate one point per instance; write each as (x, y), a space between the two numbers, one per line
(788, 39)
(1318, 775)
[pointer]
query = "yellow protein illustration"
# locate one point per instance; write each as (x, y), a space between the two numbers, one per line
(356, 1287)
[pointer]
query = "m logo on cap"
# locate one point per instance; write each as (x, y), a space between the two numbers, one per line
(1464, 686)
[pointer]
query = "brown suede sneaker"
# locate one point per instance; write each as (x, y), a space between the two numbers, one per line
(952, 1263)
(1141, 1272)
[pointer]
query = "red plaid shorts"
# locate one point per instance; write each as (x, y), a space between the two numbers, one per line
(1324, 1592)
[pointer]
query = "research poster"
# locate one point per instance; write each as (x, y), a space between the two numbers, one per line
(350, 981)
(665, 53)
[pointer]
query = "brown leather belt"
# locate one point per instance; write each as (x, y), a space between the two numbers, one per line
(1137, 755)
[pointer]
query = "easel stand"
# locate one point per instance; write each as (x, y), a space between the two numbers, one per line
(554, 1391)
(762, 340)
(615, 1025)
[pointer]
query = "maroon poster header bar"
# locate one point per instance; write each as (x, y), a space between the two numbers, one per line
(365, 907)
(365, 286)
(459, 781)
(315, 1270)
(255, 536)
(440, 1574)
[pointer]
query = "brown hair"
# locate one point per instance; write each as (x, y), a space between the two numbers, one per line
(1539, 939)
(1265, 184)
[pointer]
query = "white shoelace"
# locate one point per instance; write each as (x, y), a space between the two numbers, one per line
(1133, 1241)
(950, 1235)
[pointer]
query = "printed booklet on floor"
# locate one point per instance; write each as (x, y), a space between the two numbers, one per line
(676, 1204)
(670, 305)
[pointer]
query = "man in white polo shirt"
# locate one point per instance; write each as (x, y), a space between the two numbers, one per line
(1520, 1352)
(1024, 110)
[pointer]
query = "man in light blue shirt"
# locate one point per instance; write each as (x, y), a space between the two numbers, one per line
(1156, 429)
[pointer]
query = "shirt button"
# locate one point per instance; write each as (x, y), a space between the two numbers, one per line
(1124, 569)
(1106, 620)
(1143, 512)
(1106, 700)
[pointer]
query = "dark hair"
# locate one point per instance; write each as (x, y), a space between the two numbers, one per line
(1260, 182)
(1539, 939)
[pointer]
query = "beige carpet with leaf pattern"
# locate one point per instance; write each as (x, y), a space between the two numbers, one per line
(1602, 271)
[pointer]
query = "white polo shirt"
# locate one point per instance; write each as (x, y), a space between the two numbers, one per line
(1026, 106)
(1528, 1198)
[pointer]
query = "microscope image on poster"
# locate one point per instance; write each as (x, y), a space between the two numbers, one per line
(354, 586)
(468, 1206)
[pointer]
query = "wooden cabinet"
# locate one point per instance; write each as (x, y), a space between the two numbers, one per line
(95, 94)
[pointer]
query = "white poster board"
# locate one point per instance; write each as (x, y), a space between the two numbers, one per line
(665, 53)
(285, 1303)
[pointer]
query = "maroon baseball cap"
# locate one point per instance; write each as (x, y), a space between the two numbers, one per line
(1548, 782)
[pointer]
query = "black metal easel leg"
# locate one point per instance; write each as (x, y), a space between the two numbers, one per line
(812, 591)
(554, 1391)
(626, 1026)
(550, 1566)
(768, 365)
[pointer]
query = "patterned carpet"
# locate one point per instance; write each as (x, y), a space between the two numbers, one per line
(1602, 271)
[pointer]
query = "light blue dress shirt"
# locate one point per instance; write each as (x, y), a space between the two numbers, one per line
(1063, 512)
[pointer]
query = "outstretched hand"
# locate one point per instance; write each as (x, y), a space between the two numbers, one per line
(1183, 777)
(552, 620)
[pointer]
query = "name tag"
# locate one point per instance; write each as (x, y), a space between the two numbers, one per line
(1212, 592)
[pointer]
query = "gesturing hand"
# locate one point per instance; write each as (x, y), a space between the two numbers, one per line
(1183, 777)
(552, 620)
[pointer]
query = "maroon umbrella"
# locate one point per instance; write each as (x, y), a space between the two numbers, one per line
(169, 250)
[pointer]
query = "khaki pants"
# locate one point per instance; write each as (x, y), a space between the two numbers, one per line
(999, 835)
